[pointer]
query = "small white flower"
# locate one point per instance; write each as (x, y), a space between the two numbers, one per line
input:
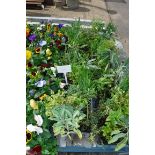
(28, 148)
(31, 128)
(38, 130)
(39, 28)
(42, 25)
(62, 85)
(39, 120)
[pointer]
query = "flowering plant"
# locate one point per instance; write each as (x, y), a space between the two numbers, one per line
(44, 45)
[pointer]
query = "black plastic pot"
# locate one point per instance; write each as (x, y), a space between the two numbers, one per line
(94, 102)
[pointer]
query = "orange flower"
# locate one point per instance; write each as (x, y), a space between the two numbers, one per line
(60, 34)
(48, 27)
(42, 97)
(37, 50)
(27, 32)
(56, 28)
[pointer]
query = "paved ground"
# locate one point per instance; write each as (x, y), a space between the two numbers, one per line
(87, 10)
(116, 11)
(119, 14)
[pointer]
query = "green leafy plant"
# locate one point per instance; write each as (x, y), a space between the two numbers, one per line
(67, 120)
(120, 137)
(97, 73)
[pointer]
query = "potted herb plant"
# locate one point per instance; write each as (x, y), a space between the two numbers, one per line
(67, 121)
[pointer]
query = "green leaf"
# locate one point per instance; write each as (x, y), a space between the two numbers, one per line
(78, 132)
(46, 152)
(69, 113)
(115, 132)
(116, 137)
(76, 113)
(121, 144)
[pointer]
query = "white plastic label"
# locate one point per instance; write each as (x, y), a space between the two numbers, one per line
(64, 69)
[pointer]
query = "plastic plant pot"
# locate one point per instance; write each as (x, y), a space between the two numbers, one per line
(62, 141)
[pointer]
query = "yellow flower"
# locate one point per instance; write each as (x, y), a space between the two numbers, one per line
(60, 34)
(27, 32)
(28, 55)
(48, 58)
(42, 97)
(37, 50)
(48, 52)
(33, 104)
(48, 27)
(56, 28)
(28, 136)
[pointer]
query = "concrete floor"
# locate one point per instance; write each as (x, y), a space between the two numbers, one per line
(119, 14)
(88, 10)
(116, 11)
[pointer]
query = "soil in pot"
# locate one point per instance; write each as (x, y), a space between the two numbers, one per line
(84, 142)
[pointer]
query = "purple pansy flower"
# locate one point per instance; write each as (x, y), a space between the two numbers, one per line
(32, 37)
(40, 83)
(42, 43)
(51, 35)
(60, 26)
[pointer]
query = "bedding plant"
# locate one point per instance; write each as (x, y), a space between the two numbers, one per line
(98, 85)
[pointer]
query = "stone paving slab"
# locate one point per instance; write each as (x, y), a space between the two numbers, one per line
(89, 9)
(119, 14)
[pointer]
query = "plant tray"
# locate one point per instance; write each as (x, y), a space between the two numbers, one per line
(103, 149)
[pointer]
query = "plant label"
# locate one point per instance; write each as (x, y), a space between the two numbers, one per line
(64, 69)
